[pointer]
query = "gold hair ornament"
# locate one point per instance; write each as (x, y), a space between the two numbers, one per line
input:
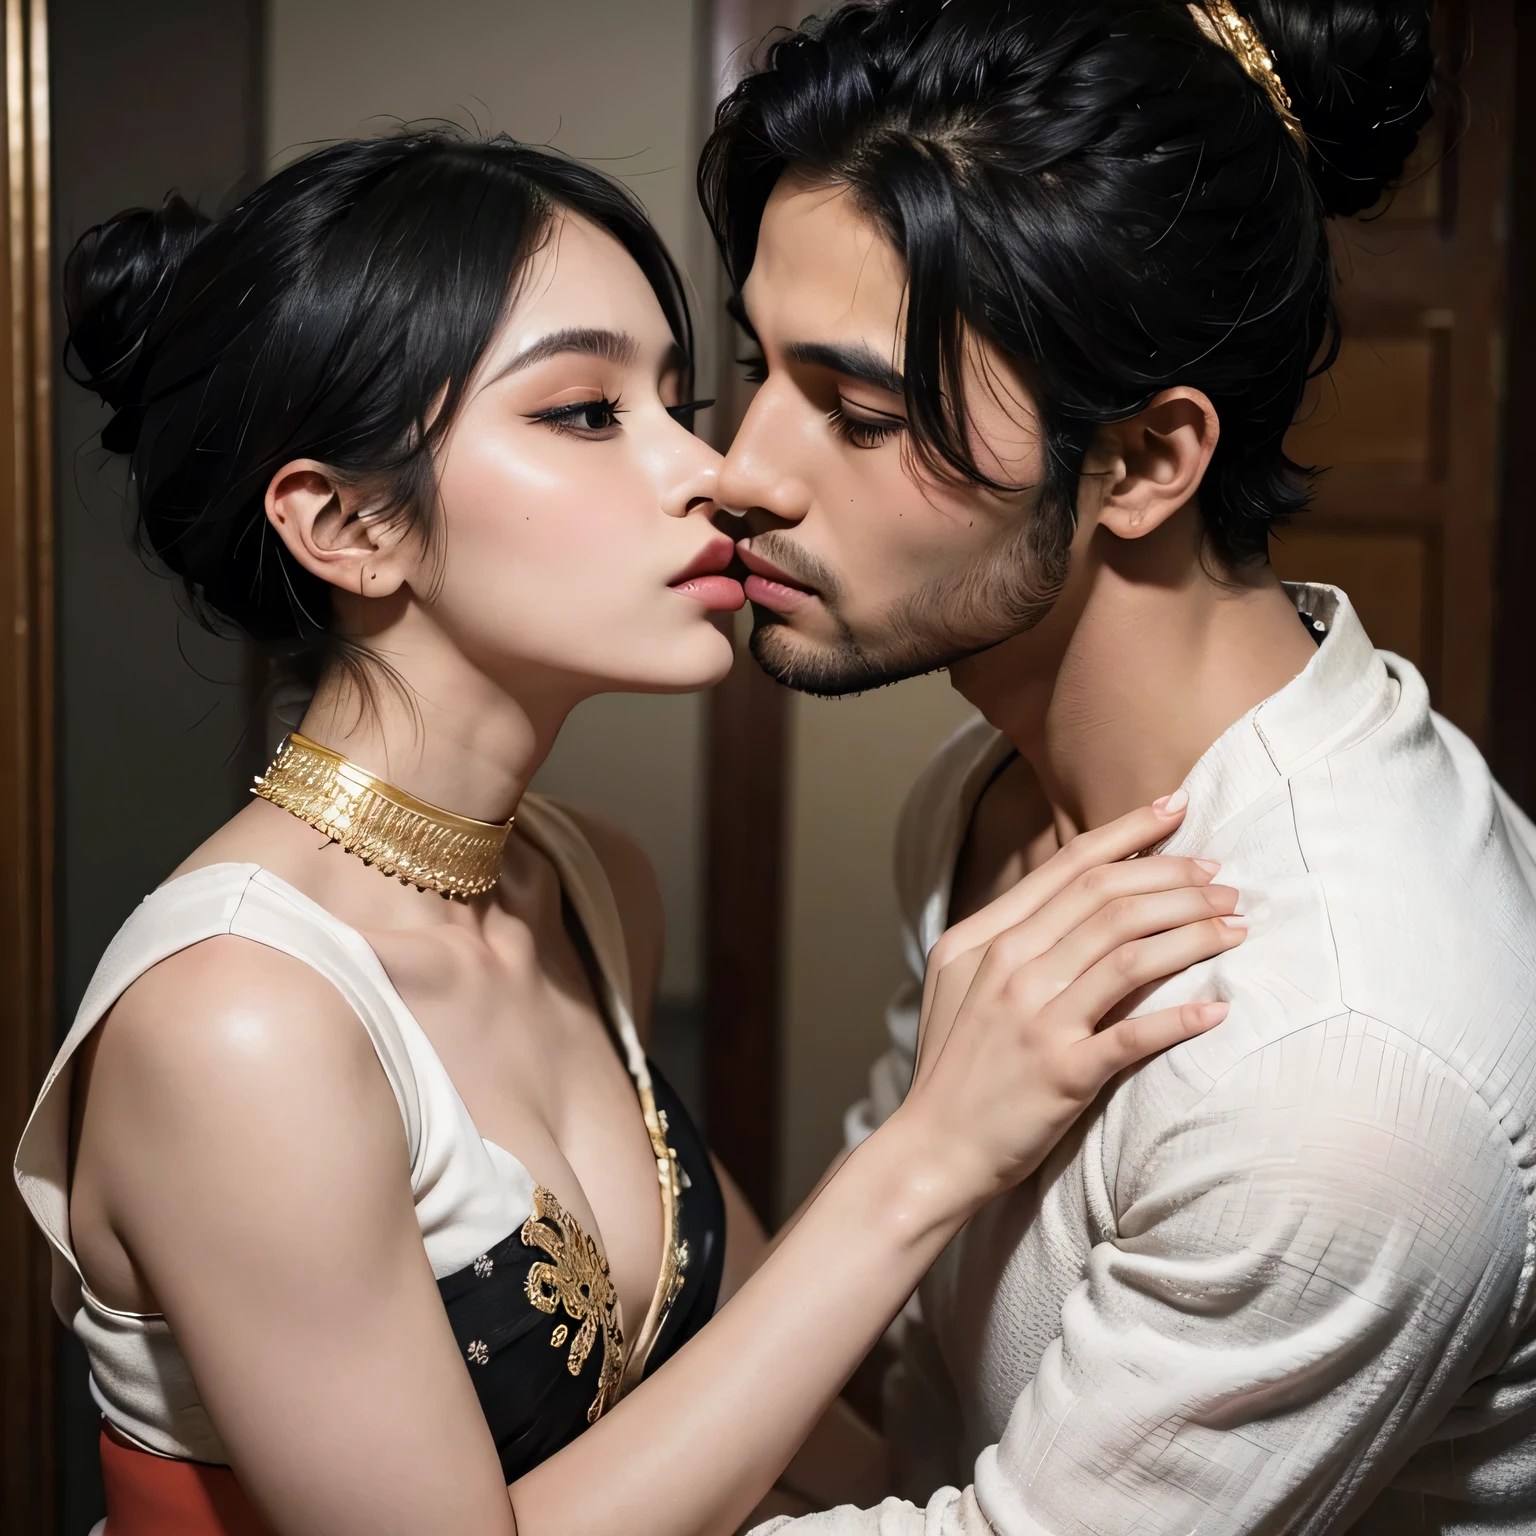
(1220, 22)
(417, 843)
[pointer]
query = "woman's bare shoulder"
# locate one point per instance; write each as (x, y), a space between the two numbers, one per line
(229, 1021)
(224, 1071)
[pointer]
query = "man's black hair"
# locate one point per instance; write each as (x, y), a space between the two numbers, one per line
(1101, 192)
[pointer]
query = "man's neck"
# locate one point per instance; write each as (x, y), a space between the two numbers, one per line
(1145, 660)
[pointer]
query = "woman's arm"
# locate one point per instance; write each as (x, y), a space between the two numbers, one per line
(842, 1460)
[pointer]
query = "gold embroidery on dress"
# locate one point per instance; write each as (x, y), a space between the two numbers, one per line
(577, 1279)
(674, 1250)
(676, 1288)
(672, 1177)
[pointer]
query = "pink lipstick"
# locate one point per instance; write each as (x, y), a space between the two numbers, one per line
(703, 579)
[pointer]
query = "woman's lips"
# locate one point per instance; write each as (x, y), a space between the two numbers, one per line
(721, 594)
(705, 580)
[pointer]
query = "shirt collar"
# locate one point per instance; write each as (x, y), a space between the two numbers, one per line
(1343, 688)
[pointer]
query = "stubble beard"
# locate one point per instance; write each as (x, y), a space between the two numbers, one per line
(943, 622)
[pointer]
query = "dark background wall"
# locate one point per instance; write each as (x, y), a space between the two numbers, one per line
(147, 95)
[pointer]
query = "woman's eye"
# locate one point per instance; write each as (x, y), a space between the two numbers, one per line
(861, 431)
(583, 418)
(753, 369)
(595, 416)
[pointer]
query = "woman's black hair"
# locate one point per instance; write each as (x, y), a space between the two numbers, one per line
(337, 313)
(1101, 192)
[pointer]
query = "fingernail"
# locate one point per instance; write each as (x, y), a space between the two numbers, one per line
(1171, 805)
(1237, 920)
(1210, 866)
(1213, 1013)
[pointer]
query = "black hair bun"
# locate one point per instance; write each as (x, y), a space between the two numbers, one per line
(1358, 74)
(116, 283)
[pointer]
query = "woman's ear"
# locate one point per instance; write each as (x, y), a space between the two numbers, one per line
(1152, 464)
(328, 529)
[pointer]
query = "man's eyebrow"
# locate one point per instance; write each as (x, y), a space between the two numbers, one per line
(856, 362)
(612, 346)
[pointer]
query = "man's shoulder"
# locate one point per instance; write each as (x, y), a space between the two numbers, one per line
(1429, 903)
(1384, 885)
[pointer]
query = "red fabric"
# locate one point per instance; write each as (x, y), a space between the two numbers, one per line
(154, 1496)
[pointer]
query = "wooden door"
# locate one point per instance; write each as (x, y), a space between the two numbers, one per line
(1406, 423)
(26, 760)
(1512, 722)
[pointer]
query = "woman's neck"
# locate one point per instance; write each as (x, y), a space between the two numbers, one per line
(1145, 661)
(436, 726)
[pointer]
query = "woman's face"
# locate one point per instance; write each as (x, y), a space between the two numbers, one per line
(576, 537)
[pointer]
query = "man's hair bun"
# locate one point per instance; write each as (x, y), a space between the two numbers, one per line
(1358, 73)
(116, 283)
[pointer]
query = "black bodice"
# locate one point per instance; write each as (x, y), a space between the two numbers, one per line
(537, 1365)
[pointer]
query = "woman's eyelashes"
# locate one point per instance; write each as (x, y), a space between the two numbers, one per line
(583, 418)
(864, 431)
(599, 419)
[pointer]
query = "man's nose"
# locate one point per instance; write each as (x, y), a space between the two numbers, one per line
(758, 483)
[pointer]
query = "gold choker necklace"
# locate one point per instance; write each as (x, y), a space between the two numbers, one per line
(417, 843)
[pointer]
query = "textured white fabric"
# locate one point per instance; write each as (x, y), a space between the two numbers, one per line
(469, 1193)
(1279, 1279)
(948, 1513)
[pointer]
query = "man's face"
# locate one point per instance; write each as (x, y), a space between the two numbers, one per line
(866, 567)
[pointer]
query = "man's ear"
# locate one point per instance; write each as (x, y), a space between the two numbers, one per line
(328, 530)
(1152, 463)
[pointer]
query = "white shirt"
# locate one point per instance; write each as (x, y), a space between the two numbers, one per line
(1280, 1279)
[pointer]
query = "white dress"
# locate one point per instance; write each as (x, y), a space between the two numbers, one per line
(469, 1193)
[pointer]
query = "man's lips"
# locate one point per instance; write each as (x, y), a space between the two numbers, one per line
(703, 579)
(769, 586)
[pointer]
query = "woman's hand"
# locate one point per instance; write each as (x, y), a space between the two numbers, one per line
(1010, 1056)
(1011, 1048)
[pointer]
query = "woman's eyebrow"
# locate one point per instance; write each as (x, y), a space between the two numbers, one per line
(854, 362)
(611, 346)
